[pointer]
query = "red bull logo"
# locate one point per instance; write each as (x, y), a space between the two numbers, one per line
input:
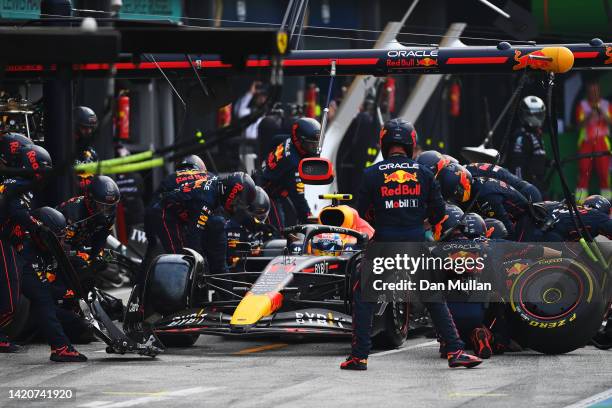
(232, 195)
(551, 59)
(400, 176)
(516, 269)
(427, 62)
(14, 146)
(32, 159)
(401, 190)
(533, 63)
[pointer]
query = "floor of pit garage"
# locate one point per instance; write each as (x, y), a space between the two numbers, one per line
(263, 373)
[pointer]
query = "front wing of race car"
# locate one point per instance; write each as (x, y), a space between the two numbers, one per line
(312, 322)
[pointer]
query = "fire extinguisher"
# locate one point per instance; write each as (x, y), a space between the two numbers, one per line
(390, 91)
(123, 116)
(455, 99)
(312, 101)
(224, 116)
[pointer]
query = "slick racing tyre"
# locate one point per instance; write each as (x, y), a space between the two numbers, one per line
(395, 326)
(169, 283)
(555, 306)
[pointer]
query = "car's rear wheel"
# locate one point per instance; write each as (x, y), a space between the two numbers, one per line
(555, 306)
(395, 329)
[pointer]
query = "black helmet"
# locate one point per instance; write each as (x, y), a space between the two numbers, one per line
(260, 207)
(597, 202)
(433, 160)
(455, 183)
(37, 158)
(305, 134)
(85, 122)
(532, 111)
(474, 226)
(237, 192)
(52, 219)
(10, 148)
(495, 228)
(452, 218)
(397, 132)
(191, 162)
(103, 193)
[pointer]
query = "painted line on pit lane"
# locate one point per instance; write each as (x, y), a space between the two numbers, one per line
(400, 350)
(475, 394)
(267, 347)
(594, 400)
(156, 397)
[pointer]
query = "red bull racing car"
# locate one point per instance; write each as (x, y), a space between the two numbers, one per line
(295, 293)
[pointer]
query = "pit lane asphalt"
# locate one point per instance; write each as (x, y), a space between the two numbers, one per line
(264, 373)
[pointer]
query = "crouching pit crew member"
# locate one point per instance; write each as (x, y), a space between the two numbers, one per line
(190, 169)
(192, 215)
(400, 223)
(90, 219)
(22, 226)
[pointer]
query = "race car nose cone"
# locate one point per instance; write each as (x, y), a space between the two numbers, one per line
(251, 309)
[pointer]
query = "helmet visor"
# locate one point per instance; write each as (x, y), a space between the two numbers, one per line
(311, 146)
(260, 215)
(86, 131)
(108, 210)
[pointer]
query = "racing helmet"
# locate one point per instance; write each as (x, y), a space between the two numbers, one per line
(191, 162)
(597, 202)
(495, 229)
(36, 158)
(305, 134)
(473, 225)
(452, 218)
(433, 160)
(237, 191)
(455, 183)
(85, 122)
(397, 132)
(327, 244)
(532, 111)
(52, 219)
(10, 147)
(103, 193)
(260, 207)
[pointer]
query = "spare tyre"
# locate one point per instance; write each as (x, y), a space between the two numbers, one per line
(555, 306)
